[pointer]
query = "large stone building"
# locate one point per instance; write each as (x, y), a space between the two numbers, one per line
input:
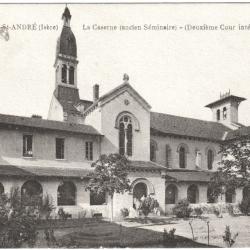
(171, 157)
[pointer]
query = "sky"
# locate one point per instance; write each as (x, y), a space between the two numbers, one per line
(177, 72)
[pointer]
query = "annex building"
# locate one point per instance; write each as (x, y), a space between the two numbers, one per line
(171, 157)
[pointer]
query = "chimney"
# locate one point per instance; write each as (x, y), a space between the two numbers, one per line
(95, 92)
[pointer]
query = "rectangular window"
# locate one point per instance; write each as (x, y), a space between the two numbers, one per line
(89, 150)
(59, 148)
(27, 146)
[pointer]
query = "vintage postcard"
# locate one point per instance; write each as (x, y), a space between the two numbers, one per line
(124, 125)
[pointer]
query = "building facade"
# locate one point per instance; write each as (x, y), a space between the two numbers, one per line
(171, 157)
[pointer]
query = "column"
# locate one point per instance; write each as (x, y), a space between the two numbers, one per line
(202, 193)
(182, 191)
(238, 195)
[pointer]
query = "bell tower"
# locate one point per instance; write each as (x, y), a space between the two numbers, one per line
(66, 95)
(66, 54)
(225, 110)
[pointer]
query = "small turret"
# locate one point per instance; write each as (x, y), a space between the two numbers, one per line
(225, 110)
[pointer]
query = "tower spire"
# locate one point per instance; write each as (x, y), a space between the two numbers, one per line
(66, 16)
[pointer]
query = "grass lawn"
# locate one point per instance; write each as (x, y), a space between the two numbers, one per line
(108, 234)
(91, 233)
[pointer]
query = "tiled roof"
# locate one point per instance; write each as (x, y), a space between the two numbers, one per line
(85, 103)
(46, 124)
(68, 98)
(182, 126)
(188, 175)
(241, 132)
(46, 168)
(146, 165)
(6, 170)
(10, 166)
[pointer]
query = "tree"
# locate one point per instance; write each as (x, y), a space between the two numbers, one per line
(235, 163)
(234, 167)
(110, 176)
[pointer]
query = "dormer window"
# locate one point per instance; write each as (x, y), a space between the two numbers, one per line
(71, 75)
(218, 115)
(224, 113)
(64, 73)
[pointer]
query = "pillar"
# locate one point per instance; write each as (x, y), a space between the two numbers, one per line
(182, 191)
(238, 195)
(50, 187)
(202, 193)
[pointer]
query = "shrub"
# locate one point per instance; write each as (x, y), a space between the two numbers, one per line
(230, 209)
(198, 211)
(169, 239)
(217, 211)
(17, 222)
(228, 238)
(148, 205)
(244, 206)
(182, 209)
(124, 212)
(63, 215)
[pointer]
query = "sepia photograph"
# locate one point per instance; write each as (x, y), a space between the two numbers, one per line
(124, 125)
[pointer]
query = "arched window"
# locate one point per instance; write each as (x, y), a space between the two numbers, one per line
(210, 195)
(168, 156)
(97, 199)
(171, 194)
(64, 73)
(66, 194)
(224, 113)
(31, 193)
(193, 194)
(1, 188)
(125, 135)
(71, 75)
(230, 195)
(210, 159)
(182, 157)
(153, 148)
(218, 114)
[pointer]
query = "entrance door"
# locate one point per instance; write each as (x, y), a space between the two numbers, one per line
(140, 190)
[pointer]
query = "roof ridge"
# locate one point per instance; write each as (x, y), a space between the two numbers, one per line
(48, 124)
(185, 117)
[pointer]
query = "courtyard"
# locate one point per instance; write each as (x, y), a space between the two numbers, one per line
(88, 233)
